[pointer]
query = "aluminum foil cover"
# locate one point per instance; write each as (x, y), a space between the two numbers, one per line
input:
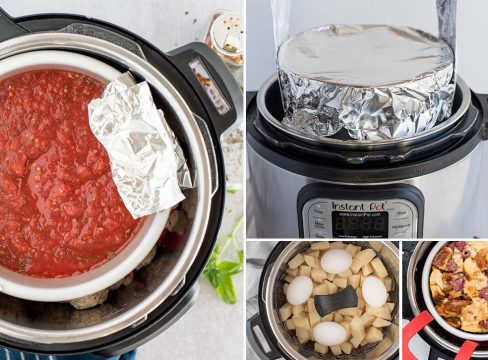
(147, 162)
(375, 81)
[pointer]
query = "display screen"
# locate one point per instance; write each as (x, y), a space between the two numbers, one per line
(364, 225)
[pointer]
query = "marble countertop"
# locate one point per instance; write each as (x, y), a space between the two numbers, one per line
(211, 329)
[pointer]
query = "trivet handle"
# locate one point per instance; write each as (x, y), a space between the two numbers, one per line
(466, 350)
(412, 329)
(213, 82)
(8, 27)
(259, 340)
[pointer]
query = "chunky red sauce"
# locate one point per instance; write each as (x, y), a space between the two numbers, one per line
(60, 212)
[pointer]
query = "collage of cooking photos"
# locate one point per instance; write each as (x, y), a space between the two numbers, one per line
(243, 180)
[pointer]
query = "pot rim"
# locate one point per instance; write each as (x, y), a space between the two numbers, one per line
(430, 304)
(139, 66)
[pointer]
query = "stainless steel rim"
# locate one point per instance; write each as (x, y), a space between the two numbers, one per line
(53, 40)
(370, 144)
(267, 293)
(412, 291)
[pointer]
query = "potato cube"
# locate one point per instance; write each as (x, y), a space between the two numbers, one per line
(373, 335)
(289, 278)
(378, 268)
(337, 245)
(348, 311)
(354, 281)
(314, 253)
(390, 306)
(328, 317)
(361, 304)
(370, 310)
(359, 293)
(338, 318)
(367, 320)
(314, 318)
(311, 305)
(361, 258)
(303, 335)
(345, 274)
(302, 323)
(320, 245)
(292, 272)
(384, 313)
(352, 249)
(366, 269)
(318, 275)
(297, 309)
(346, 347)
(332, 288)
(356, 341)
(285, 312)
(336, 350)
(330, 276)
(290, 324)
(379, 349)
(340, 282)
(296, 261)
(348, 318)
(304, 270)
(311, 261)
(388, 283)
(379, 323)
(357, 328)
(347, 325)
(321, 289)
(321, 349)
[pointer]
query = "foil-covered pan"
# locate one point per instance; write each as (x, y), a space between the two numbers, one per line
(375, 81)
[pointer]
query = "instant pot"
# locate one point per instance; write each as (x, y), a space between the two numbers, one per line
(428, 185)
(443, 344)
(267, 334)
(201, 101)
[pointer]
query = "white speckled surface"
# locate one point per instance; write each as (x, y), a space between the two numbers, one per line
(210, 329)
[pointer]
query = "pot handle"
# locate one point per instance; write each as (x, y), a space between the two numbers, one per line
(213, 82)
(8, 27)
(259, 341)
(483, 99)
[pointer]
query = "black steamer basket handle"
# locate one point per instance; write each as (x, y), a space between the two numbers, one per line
(8, 27)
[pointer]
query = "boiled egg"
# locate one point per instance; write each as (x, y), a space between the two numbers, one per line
(299, 290)
(374, 292)
(336, 261)
(329, 333)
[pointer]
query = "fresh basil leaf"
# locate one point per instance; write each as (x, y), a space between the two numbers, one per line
(214, 277)
(229, 267)
(226, 290)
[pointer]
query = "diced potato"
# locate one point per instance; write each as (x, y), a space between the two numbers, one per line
(311, 261)
(346, 347)
(285, 312)
(367, 320)
(379, 349)
(384, 313)
(337, 245)
(338, 318)
(305, 307)
(352, 249)
(340, 282)
(303, 335)
(376, 245)
(359, 293)
(296, 261)
(348, 318)
(302, 323)
(314, 318)
(390, 306)
(378, 268)
(388, 283)
(336, 350)
(304, 270)
(311, 305)
(285, 288)
(332, 288)
(370, 310)
(345, 274)
(289, 278)
(366, 269)
(321, 349)
(357, 328)
(320, 245)
(290, 324)
(348, 311)
(321, 289)
(297, 309)
(364, 342)
(347, 325)
(318, 275)
(357, 341)
(361, 303)
(373, 335)
(314, 253)
(328, 317)
(361, 258)
(292, 272)
(379, 323)
(354, 280)
(330, 276)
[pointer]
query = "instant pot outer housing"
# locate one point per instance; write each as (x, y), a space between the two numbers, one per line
(268, 335)
(132, 316)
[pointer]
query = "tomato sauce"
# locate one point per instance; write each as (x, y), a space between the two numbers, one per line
(60, 212)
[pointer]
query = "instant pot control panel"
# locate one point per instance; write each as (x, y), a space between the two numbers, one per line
(369, 212)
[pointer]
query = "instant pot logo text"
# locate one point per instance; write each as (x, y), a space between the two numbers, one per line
(358, 207)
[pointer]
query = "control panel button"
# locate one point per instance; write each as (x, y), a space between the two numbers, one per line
(318, 234)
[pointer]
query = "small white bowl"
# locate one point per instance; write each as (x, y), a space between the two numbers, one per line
(430, 303)
(107, 274)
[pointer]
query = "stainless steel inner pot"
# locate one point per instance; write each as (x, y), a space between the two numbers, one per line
(434, 331)
(274, 298)
(57, 323)
(333, 142)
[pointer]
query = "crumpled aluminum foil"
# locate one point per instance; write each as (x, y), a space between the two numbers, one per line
(375, 81)
(147, 162)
